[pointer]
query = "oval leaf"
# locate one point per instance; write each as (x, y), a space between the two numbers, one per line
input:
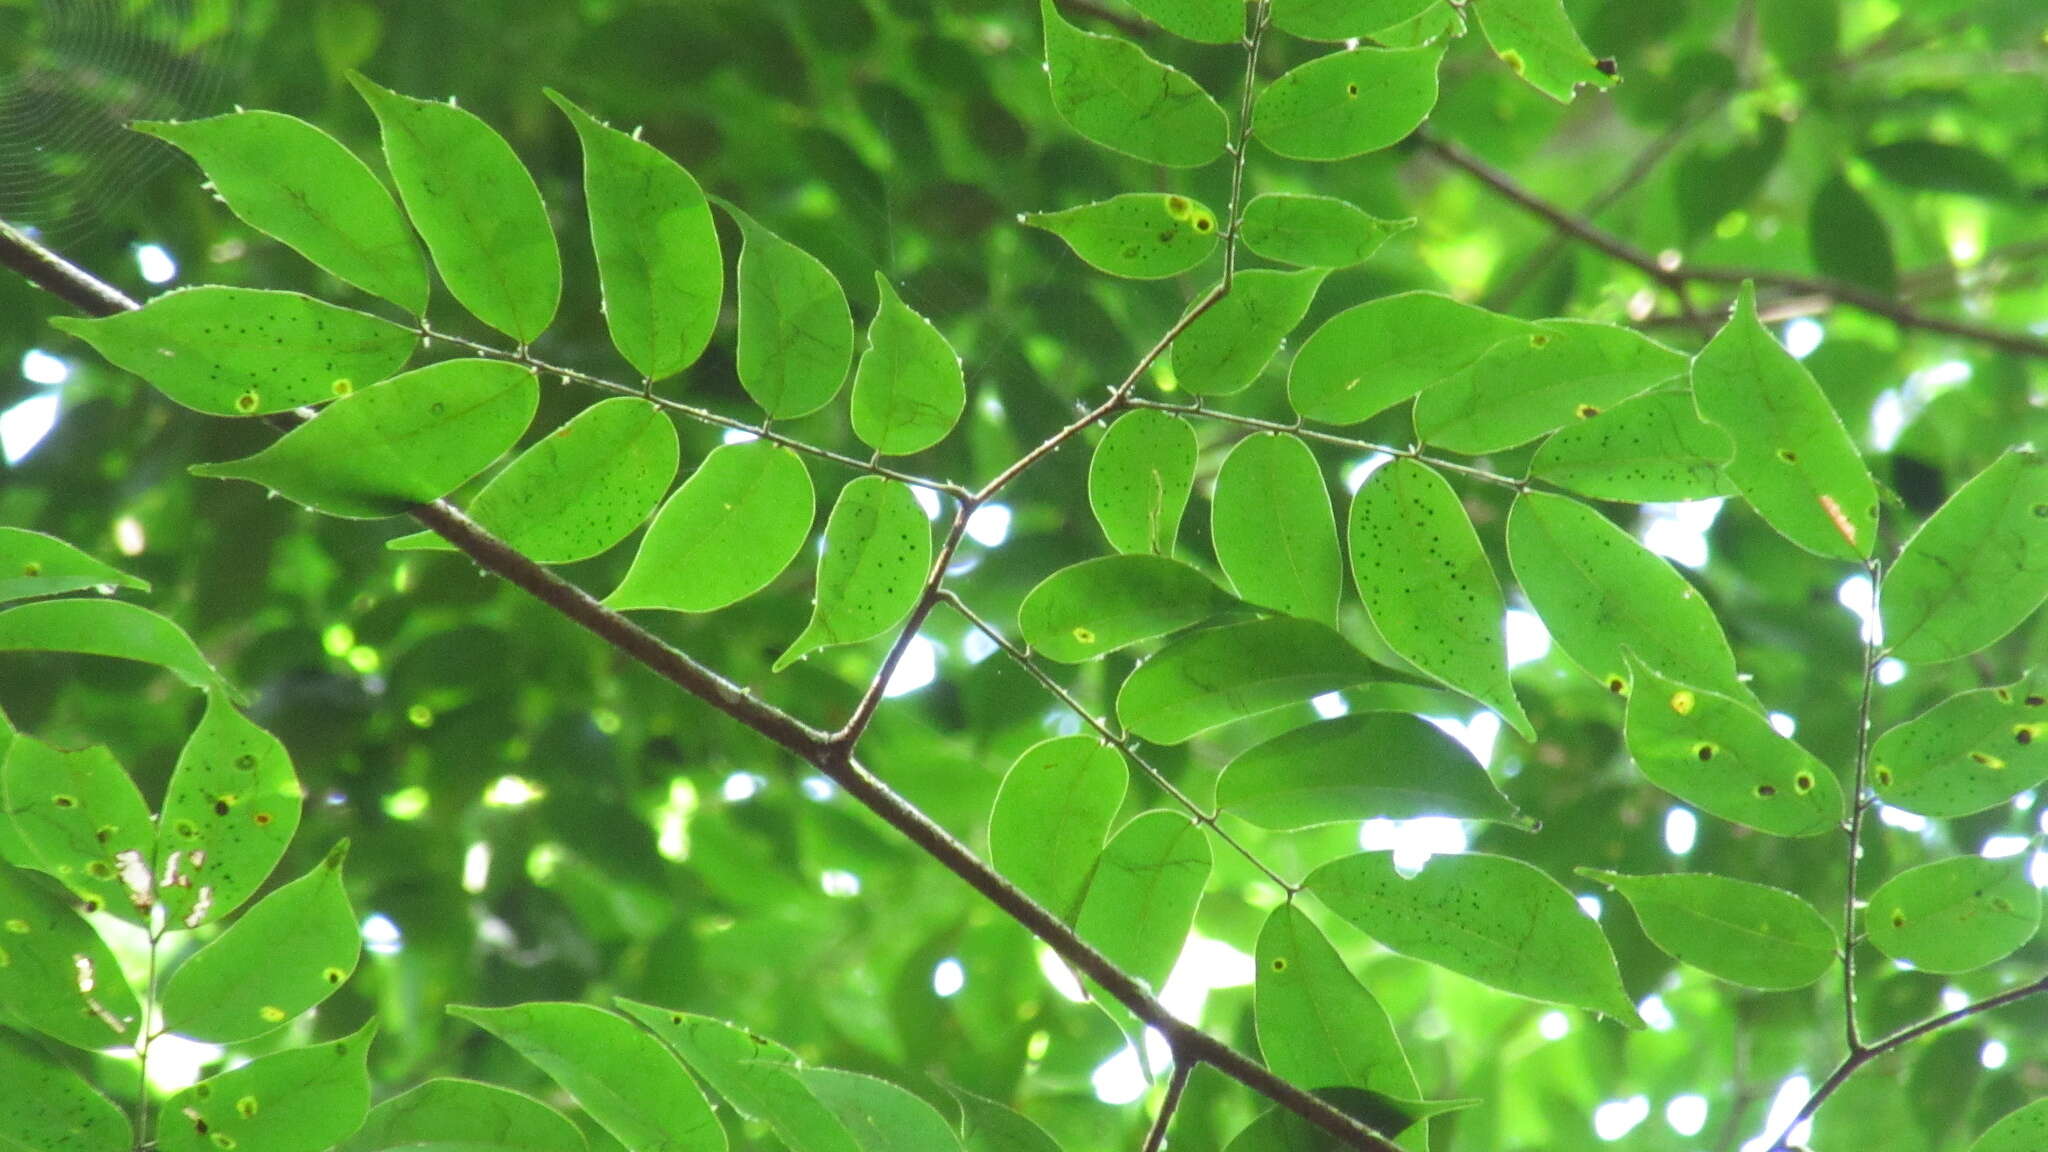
(795, 329)
(1976, 569)
(1747, 934)
(754, 1074)
(1051, 815)
(1348, 103)
(447, 1115)
(878, 1115)
(1141, 901)
(1227, 348)
(49, 1109)
(107, 628)
(2023, 1130)
(81, 819)
(33, 564)
(1110, 91)
(1968, 753)
(1955, 915)
(1218, 675)
(56, 975)
(1314, 231)
(1848, 239)
(1536, 39)
(1139, 480)
(1139, 235)
(1342, 19)
(1101, 605)
(1371, 357)
(409, 440)
(878, 550)
(1566, 370)
(1360, 767)
(1317, 1024)
(1652, 449)
(909, 389)
(729, 531)
(1208, 21)
(230, 810)
(298, 1100)
(1274, 532)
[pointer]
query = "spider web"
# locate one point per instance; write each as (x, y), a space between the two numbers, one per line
(73, 74)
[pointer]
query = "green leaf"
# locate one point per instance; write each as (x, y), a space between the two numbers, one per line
(33, 564)
(1141, 901)
(1723, 757)
(1343, 19)
(230, 810)
(1360, 767)
(1520, 389)
(1940, 166)
(1602, 594)
(1228, 347)
(1371, 357)
(1212, 677)
(1968, 753)
(448, 1115)
(1278, 1130)
(83, 821)
(107, 628)
(878, 550)
(1314, 231)
(1139, 480)
(1955, 915)
(795, 329)
(1139, 235)
(1101, 605)
(1848, 239)
(1976, 569)
(47, 1107)
(477, 208)
(1428, 587)
(1110, 91)
(756, 1076)
(1494, 919)
(1794, 462)
(56, 975)
(245, 352)
(657, 248)
(292, 181)
(409, 440)
(1747, 934)
(727, 533)
(579, 490)
(1051, 816)
(290, 951)
(620, 1075)
(1273, 529)
(990, 1126)
(298, 1100)
(2021, 1130)
(1652, 449)
(909, 390)
(1207, 21)
(1318, 1026)
(1348, 103)
(1537, 40)
(880, 1116)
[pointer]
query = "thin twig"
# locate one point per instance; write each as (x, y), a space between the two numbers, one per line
(1204, 412)
(1156, 1138)
(1858, 804)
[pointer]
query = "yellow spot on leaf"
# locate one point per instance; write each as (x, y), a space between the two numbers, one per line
(272, 1013)
(1682, 702)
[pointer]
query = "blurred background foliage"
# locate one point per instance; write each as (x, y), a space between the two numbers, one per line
(535, 818)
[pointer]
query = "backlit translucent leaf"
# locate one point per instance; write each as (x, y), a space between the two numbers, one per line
(754, 1075)
(1499, 921)
(477, 208)
(1141, 900)
(618, 1073)
(245, 352)
(293, 181)
(1139, 235)
(290, 951)
(1653, 448)
(732, 527)
(1229, 346)
(991, 1126)
(1976, 569)
(1957, 914)
(1566, 370)
(1342, 19)
(32, 564)
(657, 249)
(1744, 933)
(448, 1115)
(47, 1108)
(55, 974)
(878, 1115)
(1428, 586)
(1110, 91)
(1967, 753)
(579, 490)
(1273, 529)
(1360, 767)
(1723, 757)
(82, 820)
(106, 628)
(1314, 231)
(1848, 239)
(1278, 1130)
(1318, 1026)
(795, 329)
(1101, 605)
(1371, 357)
(1139, 480)
(298, 1100)
(1052, 814)
(229, 812)
(1209, 678)
(1794, 462)
(909, 389)
(409, 440)
(1209, 21)
(2019, 1131)
(1601, 594)
(1348, 103)
(1537, 40)
(878, 550)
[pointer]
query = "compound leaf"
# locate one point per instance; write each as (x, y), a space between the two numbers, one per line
(1955, 915)
(1520, 389)
(230, 810)
(81, 819)
(1651, 449)
(1141, 901)
(1314, 231)
(298, 1100)
(1273, 529)
(1139, 235)
(1968, 753)
(1139, 480)
(1374, 355)
(1536, 39)
(1212, 677)
(1976, 569)
(1348, 103)
(795, 329)
(728, 532)
(909, 389)
(1111, 92)
(1051, 815)
(1362, 766)
(1747, 934)
(1227, 347)
(878, 549)
(1101, 605)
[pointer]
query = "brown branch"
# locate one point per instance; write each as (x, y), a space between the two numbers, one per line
(1156, 1138)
